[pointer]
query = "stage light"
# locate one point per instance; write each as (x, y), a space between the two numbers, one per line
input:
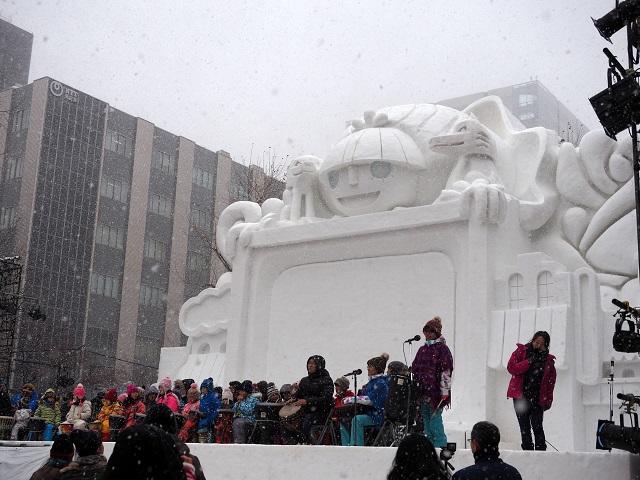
(618, 106)
(616, 19)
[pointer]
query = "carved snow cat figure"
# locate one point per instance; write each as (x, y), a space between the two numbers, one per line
(420, 210)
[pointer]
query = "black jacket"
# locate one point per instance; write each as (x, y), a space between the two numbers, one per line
(317, 389)
(488, 468)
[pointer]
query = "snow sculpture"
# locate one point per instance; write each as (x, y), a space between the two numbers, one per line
(421, 210)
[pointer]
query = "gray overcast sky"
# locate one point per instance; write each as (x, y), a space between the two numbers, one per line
(287, 75)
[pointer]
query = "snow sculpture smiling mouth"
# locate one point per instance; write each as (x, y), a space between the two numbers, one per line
(360, 200)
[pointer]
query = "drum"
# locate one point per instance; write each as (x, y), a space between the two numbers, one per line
(180, 419)
(66, 427)
(291, 417)
(268, 411)
(95, 425)
(140, 418)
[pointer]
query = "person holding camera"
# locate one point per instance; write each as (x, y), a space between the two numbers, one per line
(533, 378)
(485, 438)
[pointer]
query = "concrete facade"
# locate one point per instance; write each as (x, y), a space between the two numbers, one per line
(114, 219)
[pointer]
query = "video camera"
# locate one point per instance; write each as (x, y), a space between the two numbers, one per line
(446, 454)
(627, 341)
(609, 435)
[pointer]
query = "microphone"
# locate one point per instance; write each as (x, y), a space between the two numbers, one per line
(625, 306)
(413, 339)
(357, 371)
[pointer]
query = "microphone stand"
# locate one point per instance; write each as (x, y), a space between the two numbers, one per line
(406, 431)
(355, 403)
(610, 382)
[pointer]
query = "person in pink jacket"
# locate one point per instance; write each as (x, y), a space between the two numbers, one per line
(533, 378)
(166, 396)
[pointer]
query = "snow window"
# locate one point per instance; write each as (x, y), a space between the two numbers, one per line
(7, 218)
(118, 143)
(202, 178)
(152, 296)
(197, 261)
(201, 219)
(114, 188)
(545, 289)
(160, 205)
(105, 285)
(19, 120)
(525, 99)
(516, 291)
(13, 168)
(110, 236)
(164, 162)
(155, 249)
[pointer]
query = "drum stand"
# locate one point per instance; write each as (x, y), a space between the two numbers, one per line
(411, 384)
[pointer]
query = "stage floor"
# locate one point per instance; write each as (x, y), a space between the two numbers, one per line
(265, 462)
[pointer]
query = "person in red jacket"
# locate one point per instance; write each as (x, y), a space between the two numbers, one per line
(533, 377)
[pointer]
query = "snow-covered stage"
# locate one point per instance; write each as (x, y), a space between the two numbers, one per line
(264, 462)
(422, 210)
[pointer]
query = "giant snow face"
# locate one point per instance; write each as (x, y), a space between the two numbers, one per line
(371, 170)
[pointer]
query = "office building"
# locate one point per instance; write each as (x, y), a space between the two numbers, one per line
(533, 105)
(114, 219)
(15, 55)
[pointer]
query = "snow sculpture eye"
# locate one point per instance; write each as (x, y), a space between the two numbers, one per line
(333, 179)
(380, 169)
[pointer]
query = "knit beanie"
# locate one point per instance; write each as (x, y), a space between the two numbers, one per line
(435, 324)
(131, 387)
(122, 397)
(193, 394)
(379, 363)
(62, 447)
(79, 391)
(227, 395)
(153, 388)
(273, 395)
(286, 388)
(111, 395)
(487, 435)
(342, 382)
(166, 383)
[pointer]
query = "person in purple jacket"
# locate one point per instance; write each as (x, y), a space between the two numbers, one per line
(432, 369)
(533, 378)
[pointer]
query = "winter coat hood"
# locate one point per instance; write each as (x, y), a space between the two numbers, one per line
(208, 384)
(321, 364)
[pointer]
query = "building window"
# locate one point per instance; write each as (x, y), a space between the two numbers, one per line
(545, 289)
(110, 236)
(201, 219)
(7, 218)
(114, 188)
(202, 178)
(105, 285)
(239, 191)
(525, 99)
(516, 291)
(118, 143)
(151, 296)
(527, 116)
(155, 249)
(197, 261)
(164, 162)
(19, 120)
(13, 168)
(160, 205)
